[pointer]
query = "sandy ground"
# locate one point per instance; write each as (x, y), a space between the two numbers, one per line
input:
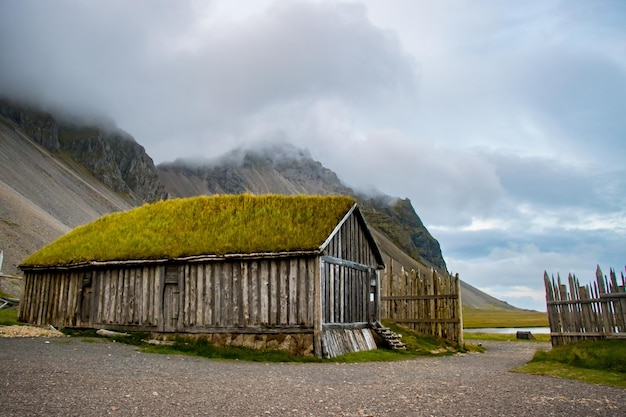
(29, 331)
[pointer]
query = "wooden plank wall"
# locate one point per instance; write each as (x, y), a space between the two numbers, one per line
(591, 312)
(336, 342)
(351, 244)
(425, 301)
(263, 293)
(51, 298)
(256, 295)
(128, 296)
(346, 287)
(345, 294)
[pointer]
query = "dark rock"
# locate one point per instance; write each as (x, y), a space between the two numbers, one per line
(114, 158)
(39, 125)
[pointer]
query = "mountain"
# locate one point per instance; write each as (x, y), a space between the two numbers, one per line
(49, 185)
(285, 169)
(108, 153)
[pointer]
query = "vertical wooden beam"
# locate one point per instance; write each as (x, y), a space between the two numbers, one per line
(317, 307)
(246, 297)
(209, 277)
(265, 302)
(255, 290)
(459, 310)
(159, 284)
(236, 294)
(294, 278)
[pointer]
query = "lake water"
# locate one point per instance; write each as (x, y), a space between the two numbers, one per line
(513, 330)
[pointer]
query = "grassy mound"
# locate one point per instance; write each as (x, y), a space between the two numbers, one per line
(602, 362)
(214, 225)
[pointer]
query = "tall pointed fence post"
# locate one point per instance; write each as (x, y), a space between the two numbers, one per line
(586, 312)
(459, 311)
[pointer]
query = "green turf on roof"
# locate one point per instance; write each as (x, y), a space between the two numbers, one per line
(214, 225)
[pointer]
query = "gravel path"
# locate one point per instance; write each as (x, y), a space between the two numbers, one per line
(70, 377)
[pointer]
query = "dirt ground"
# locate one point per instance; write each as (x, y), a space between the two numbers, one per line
(90, 377)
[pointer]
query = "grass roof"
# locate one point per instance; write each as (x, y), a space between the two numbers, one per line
(217, 225)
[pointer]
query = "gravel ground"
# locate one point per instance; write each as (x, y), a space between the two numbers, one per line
(71, 377)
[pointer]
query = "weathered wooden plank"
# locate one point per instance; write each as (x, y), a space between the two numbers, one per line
(292, 301)
(255, 293)
(188, 296)
(227, 300)
(265, 287)
(57, 306)
(37, 298)
(184, 288)
(41, 304)
(55, 299)
(201, 294)
(331, 295)
(274, 294)
(26, 307)
(236, 295)
(246, 297)
(218, 291)
(157, 307)
(209, 314)
(63, 302)
(23, 312)
(301, 306)
(112, 284)
(110, 299)
(283, 295)
(138, 296)
(41, 298)
(127, 312)
(75, 298)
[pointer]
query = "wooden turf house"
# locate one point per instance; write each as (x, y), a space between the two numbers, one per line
(299, 273)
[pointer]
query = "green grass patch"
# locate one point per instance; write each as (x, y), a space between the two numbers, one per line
(417, 345)
(605, 355)
(479, 318)
(559, 370)
(602, 362)
(8, 317)
(504, 337)
(203, 225)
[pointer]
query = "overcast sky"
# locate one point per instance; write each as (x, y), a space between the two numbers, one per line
(503, 121)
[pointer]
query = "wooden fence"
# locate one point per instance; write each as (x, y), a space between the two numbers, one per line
(423, 300)
(590, 312)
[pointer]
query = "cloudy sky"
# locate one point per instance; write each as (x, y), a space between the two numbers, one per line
(502, 121)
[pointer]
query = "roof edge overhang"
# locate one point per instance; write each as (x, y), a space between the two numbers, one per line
(368, 234)
(183, 259)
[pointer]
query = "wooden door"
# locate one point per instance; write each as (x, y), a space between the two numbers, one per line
(171, 303)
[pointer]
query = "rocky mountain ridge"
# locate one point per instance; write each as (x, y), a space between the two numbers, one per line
(284, 169)
(109, 154)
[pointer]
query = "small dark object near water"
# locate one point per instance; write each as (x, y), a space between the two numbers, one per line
(525, 335)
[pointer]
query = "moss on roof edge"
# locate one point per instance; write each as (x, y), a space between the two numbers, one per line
(216, 225)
